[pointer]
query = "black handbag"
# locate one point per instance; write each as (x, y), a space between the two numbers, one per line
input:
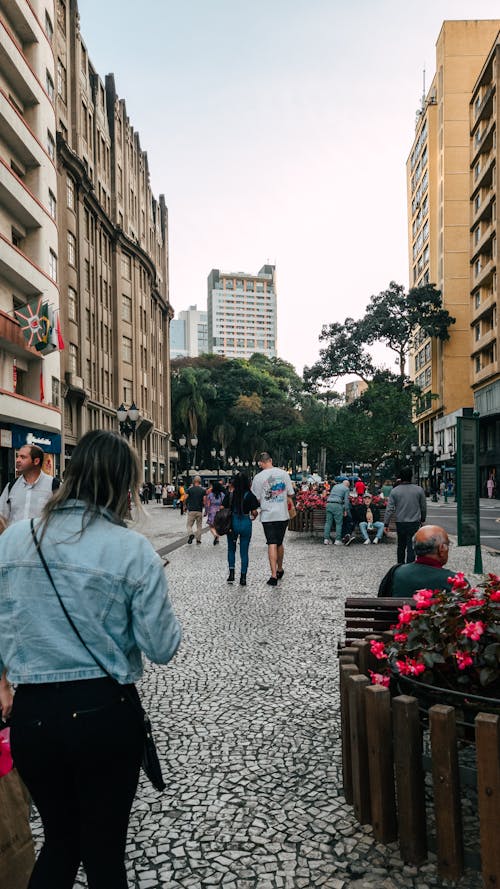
(150, 762)
(222, 521)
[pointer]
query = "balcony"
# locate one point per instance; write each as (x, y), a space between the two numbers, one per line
(34, 413)
(17, 135)
(485, 142)
(480, 376)
(484, 211)
(22, 274)
(487, 235)
(485, 177)
(488, 301)
(485, 108)
(12, 339)
(485, 274)
(23, 19)
(18, 201)
(17, 71)
(484, 340)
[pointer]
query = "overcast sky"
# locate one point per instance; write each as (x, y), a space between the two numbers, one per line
(278, 131)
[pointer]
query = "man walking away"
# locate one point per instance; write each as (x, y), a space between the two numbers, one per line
(194, 503)
(407, 502)
(26, 497)
(337, 506)
(272, 487)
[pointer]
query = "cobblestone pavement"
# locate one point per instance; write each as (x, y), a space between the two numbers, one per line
(246, 719)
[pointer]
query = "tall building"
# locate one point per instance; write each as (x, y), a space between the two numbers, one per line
(189, 334)
(114, 258)
(484, 227)
(242, 313)
(438, 181)
(29, 383)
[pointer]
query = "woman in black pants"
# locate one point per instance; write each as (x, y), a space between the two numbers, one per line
(76, 735)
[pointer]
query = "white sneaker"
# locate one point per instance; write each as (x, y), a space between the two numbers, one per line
(338, 543)
(376, 541)
(366, 542)
(327, 542)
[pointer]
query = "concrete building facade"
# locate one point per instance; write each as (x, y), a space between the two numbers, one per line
(242, 316)
(113, 238)
(30, 408)
(438, 183)
(189, 334)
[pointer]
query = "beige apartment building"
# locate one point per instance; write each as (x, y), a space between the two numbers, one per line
(242, 314)
(484, 367)
(113, 278)
(29, 268)
(438, 181)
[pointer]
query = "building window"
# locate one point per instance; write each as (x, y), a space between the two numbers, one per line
(51, 146)
(127, 349)
(126, 266)
(72, 304)
(50, 86)
(127, 391)
(71, 249)
(61, 80)
(477, 332)
(70, 193)
(61, 14)
(52, 204)
(52, 265)
(478, 363)
(73, 358)
(126, 308)
(56, 396)
(49, 30)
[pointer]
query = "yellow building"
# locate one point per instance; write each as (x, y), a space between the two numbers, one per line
(438, 181)
(484, 369)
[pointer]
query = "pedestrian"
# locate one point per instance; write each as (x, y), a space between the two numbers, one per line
(490, 487)
(77, 741)
(337, 507)
(359, 487)
(145, 492)
(27, 495)
(195, 496)
(273, 488)
(158, 493)
(243, 505)
(213, 502)
(407, 503)
(164, 495)
(367, 516)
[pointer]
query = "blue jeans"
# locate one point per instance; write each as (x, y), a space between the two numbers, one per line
(334, 512)
(242, 528)
(378, 525)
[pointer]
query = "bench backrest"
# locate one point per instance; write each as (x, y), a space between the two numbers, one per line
(365, 616)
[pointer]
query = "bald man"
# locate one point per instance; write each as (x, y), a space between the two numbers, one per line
(431, 544)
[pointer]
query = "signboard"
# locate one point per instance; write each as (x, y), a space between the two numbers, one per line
(48, 441)
(468, 481)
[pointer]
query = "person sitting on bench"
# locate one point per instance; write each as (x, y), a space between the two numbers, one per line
(431, 544)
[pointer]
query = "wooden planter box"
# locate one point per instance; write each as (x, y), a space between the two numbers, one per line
(314, 520)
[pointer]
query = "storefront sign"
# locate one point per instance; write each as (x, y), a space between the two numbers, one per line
(467, 481)
(24, 435)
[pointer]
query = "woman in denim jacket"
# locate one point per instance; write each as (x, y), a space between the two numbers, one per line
(76, 740)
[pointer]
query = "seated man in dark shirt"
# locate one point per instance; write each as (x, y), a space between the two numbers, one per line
(431, 544)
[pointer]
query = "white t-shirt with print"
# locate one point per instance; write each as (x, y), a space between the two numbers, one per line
(271, 487)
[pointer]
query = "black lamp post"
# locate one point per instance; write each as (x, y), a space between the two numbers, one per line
(218, 457)
(189, 450)
(127, 419)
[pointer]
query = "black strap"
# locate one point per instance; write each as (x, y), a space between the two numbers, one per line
(137, 706)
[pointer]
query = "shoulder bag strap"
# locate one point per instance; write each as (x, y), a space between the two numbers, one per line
(73, 626)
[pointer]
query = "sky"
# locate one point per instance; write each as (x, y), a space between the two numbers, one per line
(278, 131)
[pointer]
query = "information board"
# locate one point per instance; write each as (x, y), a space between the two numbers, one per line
(467, 481)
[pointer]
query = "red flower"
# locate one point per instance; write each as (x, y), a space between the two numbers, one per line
(471, 603)
(495, 596)
(406, 614)
(473, 630)
(400, 637)
(378, 649)
(458, 582)
(463, 660)
(424, 598)
(380, 679)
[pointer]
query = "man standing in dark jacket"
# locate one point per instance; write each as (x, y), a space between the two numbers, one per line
(407, 502)
(194, 503)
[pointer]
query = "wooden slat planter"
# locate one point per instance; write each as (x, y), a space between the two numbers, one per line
(382, 760)
(313, 520)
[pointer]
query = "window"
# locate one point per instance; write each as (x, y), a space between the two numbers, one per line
(61, 14)
(477, 234)
(71, 249)
(86, 274)
(51, 146)
(52, 204)
(478, 363)
(87, 323)
(126, 266)
(73, 358)
(49, 30)
(52, 265)
(50, 86)
(126, 308)
(72, 304)
(70, 195)
(477, 299)
(127, 349)
(61, 80)
(56, 399)
(127, 391)
(477, 332)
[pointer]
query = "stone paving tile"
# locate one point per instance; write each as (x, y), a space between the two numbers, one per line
(247, 723)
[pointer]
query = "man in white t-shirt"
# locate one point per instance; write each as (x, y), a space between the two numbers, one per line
(272, 487)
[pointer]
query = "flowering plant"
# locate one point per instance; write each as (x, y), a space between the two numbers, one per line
(450, 639)
(309, 500)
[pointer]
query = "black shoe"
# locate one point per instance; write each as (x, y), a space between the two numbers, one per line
(243, 580)
(190, 538)
(231, 576)
(198, 541)
(350, 539)
(279, 574)
(216, 540)
(273, 581)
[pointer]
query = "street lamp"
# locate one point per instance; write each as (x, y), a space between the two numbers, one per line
(188, 451)
(127, 419)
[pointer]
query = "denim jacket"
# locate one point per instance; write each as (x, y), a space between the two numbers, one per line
(113, 585)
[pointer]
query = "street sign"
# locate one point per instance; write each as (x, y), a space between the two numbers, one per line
(468, 525)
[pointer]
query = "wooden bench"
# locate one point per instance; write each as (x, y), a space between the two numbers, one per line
(370, 616)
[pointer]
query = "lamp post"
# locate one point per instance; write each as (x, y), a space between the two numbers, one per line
(188, 450)
(219, 457)
(127, 419)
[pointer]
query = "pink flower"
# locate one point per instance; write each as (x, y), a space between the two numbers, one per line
(378, 649)
(400, 637)
(406, 614)
(472, 603)
(474, 629)
(458, 582)
(404, 668)
(424, 598)
(495, 596)
(380, 679)
(410, 667)
(463, 660)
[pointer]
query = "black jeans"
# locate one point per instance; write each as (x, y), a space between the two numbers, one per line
(77, 747)
(405, 531)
